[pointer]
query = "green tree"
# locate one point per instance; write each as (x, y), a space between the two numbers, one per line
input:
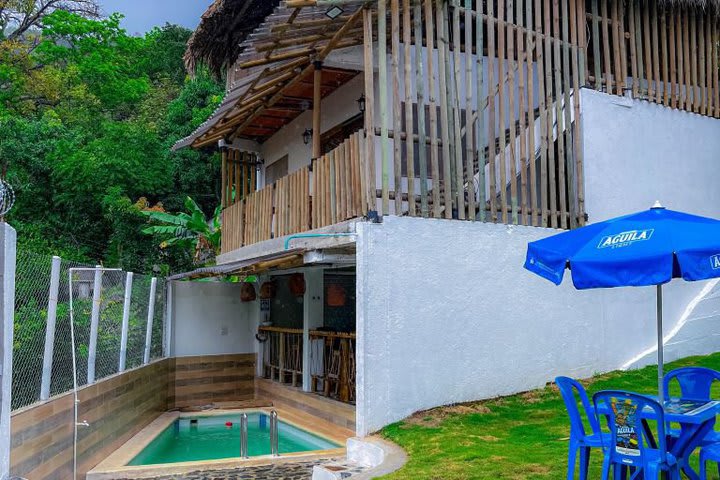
(190, 231)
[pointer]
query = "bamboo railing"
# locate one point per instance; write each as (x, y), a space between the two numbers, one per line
(332, 358)
(282, 354)
(335, 190)
(667, 54)
(496, 138)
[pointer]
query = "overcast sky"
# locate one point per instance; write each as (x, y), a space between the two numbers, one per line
(142, 15)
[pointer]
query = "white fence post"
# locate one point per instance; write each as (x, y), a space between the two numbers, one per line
(50, 329)
(7, 310)
(151, 314)
(125, 321)
(167, 321)
(94, 321)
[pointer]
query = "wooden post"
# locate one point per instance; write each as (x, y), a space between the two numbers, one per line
(317, 110)
(50, 329)
(384, 120)
(420, 87)
(223, 182)
(369, 154)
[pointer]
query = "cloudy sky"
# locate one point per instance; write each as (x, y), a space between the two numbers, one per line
(142, 15)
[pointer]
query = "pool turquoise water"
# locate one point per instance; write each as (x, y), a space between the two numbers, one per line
(209, 438)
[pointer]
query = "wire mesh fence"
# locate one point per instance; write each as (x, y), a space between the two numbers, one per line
(98, 331)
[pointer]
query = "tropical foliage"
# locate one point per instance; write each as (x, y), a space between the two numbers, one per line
(88, 114)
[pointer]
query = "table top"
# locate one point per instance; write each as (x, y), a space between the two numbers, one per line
(680, 410)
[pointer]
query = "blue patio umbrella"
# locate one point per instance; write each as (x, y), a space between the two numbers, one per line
(646, 248)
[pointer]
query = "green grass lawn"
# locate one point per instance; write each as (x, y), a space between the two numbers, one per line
(524, 436)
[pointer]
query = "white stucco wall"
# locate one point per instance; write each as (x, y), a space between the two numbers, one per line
(636, 152)
(209, 319)
(446, 313)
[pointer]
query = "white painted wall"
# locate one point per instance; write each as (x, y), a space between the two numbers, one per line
(636, 152)
(209, 319)
(446, 313)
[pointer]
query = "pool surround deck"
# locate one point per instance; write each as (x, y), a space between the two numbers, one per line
(116, 465)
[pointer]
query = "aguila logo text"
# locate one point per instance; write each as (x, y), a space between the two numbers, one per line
(625, 239)
(715, 261)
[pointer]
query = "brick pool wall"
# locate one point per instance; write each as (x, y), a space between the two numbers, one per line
(116, 409)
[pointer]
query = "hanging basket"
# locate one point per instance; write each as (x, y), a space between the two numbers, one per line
(335, 295)
(267, 290)
(296, 283)
(247, 292)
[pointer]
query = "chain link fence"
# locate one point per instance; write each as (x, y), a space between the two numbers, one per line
(32, 301)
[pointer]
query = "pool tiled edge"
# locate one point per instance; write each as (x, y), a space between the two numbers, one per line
(115, 466)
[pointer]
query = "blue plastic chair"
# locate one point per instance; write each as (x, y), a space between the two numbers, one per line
(695, 384)
(581, 441)
(629, 444)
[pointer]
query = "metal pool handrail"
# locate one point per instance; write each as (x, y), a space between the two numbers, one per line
(244, 435)
(274, 437)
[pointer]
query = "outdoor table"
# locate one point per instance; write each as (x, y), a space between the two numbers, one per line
(695, 419)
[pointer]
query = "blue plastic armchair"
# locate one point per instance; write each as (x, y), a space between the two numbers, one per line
(695, 384)
(629, 444)
(580, 440)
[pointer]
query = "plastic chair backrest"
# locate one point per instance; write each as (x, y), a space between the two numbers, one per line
(695, 382)
(629, 443)
(571, 390)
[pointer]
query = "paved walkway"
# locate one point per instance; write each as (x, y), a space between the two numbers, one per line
(289, 471)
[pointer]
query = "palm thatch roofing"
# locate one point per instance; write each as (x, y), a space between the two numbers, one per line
(223, 27)
(271, 78)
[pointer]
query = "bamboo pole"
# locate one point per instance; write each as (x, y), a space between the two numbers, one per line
(648, 49)
(693, 60)
(444, 101)
(223, 181)
(596, 45)
(606, 47)
(502, 109)
(539, 55)
(396, 103)
(469, 127)
(432, 114)
(420, 89)
(672, 41)
(317, 110)
(530, 110)
(561, 128)
(522, 107)
(715, 67)
(369, 159)
(513, 136)
(656, 47)
(634, 61)
(457, 125)
(550, 116)
(384, 120)
(480, 135)
(567, 124)
(409, 102)
(492, 152)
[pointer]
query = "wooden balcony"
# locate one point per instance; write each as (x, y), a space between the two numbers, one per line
(335, 189)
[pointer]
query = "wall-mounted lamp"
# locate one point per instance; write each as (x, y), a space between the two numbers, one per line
(307, 135)
(334, 12)
(361, 103)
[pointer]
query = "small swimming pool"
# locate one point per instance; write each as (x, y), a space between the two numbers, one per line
(216, 437)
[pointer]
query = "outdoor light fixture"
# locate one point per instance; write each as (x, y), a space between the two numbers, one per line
(361, 103)
(307, 135)
(334, 12)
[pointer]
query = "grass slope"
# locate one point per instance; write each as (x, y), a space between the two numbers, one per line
(523, 436)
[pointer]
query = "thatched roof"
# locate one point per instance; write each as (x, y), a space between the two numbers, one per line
(223, 28)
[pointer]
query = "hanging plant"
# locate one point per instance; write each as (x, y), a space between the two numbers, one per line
(267, 290)
(247, 292)
(335, 295)
(296, 283)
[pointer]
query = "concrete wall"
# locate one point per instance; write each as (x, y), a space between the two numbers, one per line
(209, 319)
(636, 152)
(116, 408)
(446, 313)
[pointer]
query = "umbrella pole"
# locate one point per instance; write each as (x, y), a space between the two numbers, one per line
(660, 343)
